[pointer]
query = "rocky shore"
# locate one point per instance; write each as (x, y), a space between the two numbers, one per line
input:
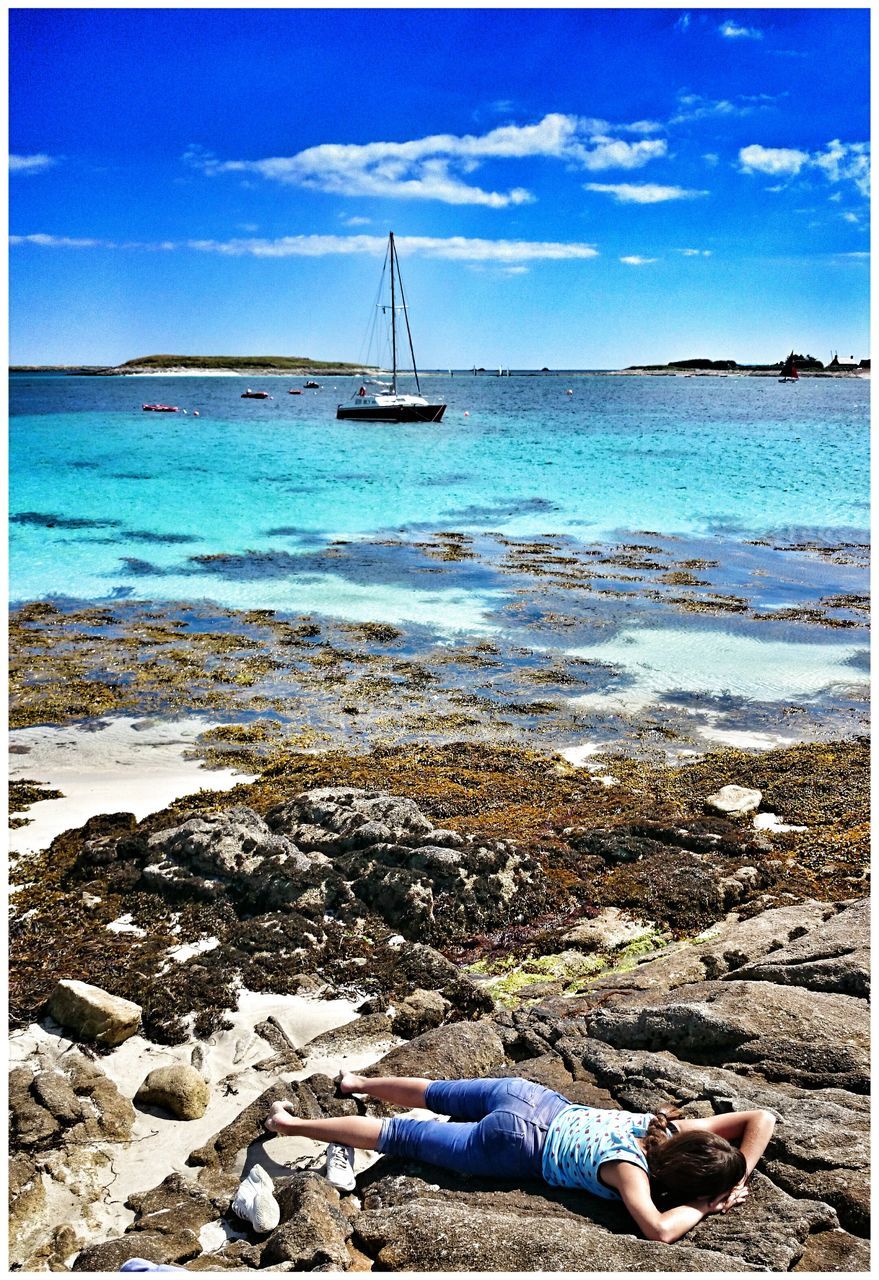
(453, 911)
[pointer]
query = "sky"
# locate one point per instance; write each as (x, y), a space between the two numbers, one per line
(571, 188)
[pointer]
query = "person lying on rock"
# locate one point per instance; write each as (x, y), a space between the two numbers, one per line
(669, 1171)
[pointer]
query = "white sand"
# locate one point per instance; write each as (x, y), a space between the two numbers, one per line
(160, 1146)
(121, 765)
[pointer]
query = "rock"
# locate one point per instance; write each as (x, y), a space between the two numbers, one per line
(31, 1124)
(234, 850)
(107, 1115)
(52, 1090)
(178, 1089)
(734, 801)
(834, 1251)
(422, 1011)
(456, 1052)
(723, 949)
(93, 1014)
(337, 819)
(175, 1205)
(285, 1050)
(608, 931)
(372, 1030)
(804, 1037)
(155, 1246)
(412, 965)
(832, 957)
(431, 1237)
(313, 1232)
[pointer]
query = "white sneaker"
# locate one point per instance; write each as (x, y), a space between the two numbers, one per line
(256, 1203)
(340, 1167)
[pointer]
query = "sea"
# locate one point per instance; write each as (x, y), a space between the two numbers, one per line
(108, 502)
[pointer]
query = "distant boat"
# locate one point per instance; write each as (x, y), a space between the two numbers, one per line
(382, 402)
(311, 386)
(160, 408)
(255, 395)
(294, 392)
(789, 370)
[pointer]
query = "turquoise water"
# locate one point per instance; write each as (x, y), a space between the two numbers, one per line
(111, 502)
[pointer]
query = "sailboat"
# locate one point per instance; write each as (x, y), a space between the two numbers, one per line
(789, 370)
(378, 401)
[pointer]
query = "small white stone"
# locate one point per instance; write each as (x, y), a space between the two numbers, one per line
(734, 801)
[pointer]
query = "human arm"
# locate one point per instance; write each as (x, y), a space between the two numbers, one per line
(663, 1225)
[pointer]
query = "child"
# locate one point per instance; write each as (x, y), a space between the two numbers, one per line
(512, 1128)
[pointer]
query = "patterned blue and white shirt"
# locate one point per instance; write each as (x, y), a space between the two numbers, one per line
(581, 1139)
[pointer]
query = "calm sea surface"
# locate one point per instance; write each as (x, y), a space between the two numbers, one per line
(110, 502)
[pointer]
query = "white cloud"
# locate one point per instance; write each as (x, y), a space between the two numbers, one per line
(839, 162)
(694, 106)
(30, 164)
(635, 260)
(695, 253)
(354, 221)
(683, 22)
(435, 167)
(615, 153)
(511, 254)
(643, 192)
(846, 162)
(772, 160)
(731, 31)
(62, 242)
(851, 217)
(454, 248)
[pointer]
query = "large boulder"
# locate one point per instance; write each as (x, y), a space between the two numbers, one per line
(813, 1038)
(832, 957)
(726, 948)
(459, 1051)
(177, 1088)
(91, 1013)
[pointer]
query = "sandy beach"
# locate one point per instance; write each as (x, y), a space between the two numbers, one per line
(135, 762)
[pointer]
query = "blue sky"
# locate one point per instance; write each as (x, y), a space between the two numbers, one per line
(572, 188)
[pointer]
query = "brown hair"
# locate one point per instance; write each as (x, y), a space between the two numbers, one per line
(695, 1164)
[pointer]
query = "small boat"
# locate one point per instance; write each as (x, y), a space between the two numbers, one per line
(382, 402)
(255, 395)
(311, 386)
(294, 392)
(789, 370)
(160, 408)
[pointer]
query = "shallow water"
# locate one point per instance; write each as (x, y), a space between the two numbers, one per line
(115, 500)
(275, 505)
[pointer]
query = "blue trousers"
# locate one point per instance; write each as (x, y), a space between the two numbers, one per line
(500, 1130)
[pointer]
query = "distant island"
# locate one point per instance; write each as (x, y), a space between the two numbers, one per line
(201, 364)
(807, 366)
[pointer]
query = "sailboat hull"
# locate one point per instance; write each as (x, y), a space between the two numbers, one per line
(392, 413)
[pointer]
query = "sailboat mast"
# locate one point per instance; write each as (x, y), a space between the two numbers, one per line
(393, 317)
(405, 311)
